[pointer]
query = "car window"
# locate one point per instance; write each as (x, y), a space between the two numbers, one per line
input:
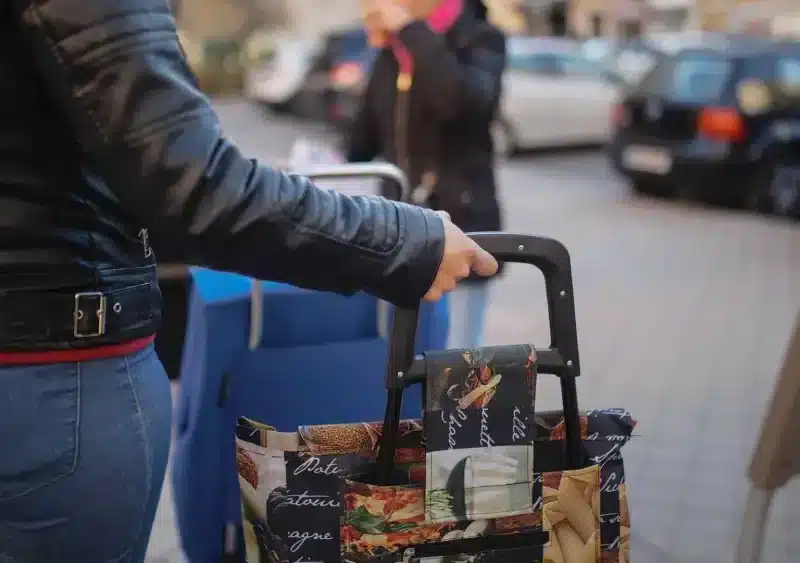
(634, 64)
(538, 63)
(788, 74)
(699, 78)
(348, 45)
(690, 77)
(571, 65)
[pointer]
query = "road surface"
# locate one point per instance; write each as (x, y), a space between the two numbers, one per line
(683, 316)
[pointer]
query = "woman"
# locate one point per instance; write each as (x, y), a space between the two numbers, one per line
(433, 93)
(104, 134)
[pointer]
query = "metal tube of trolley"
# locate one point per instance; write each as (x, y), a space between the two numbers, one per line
(392, 177)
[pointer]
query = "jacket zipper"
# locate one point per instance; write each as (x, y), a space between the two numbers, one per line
(422, 191)
(404, 81)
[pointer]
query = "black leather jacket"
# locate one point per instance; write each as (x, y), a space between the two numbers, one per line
(104, 135)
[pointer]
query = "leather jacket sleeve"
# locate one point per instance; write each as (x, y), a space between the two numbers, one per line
(116, 69)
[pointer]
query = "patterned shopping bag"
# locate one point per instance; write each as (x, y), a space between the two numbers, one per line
(481, 477)
(302, 500)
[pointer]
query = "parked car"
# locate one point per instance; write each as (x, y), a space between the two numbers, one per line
(217, 63)
(351, 62)
(630, 60)
(719, 123)
(553, 96)
(284, 75)
(315, 78)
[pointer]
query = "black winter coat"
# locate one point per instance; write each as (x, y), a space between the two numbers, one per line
(436, 127)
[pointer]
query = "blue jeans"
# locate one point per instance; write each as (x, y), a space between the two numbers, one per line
(468, 303)
(82, 458)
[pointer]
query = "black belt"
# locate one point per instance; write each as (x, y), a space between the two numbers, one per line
(59, 320)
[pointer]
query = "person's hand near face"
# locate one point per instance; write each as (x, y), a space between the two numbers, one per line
(393, 14)
(377, 34)
(382, 18)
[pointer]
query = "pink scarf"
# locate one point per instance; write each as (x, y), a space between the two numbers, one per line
(440, 20)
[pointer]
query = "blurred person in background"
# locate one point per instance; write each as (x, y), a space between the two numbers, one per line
(104, 135)
(428, 108)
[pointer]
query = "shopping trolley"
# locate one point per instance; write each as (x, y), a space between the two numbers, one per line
(482, 477)
(284, 332)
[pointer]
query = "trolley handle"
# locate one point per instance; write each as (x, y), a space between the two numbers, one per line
(389, 173)
(560, 358)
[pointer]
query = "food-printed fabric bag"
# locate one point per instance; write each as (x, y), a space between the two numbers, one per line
(481, 477)
(299, 506)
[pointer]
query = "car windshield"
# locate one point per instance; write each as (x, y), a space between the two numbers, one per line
(349, 45)
(575, 65)
(788, 75)
(699, 78)
(533, 62)
(696, 78)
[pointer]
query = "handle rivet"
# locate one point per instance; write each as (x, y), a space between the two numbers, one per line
(399, 375)
(563, 293)
(569, 363)
(521, 247)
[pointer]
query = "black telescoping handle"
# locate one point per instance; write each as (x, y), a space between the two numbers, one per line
(552, 258)
(560, 358)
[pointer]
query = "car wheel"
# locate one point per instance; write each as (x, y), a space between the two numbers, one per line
(776, 189)
(278, 108)
(649, 188)
(503, 139)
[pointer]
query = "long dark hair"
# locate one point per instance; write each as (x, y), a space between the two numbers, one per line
(478, 8)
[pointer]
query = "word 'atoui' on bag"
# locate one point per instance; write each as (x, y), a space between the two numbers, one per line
(481, 477)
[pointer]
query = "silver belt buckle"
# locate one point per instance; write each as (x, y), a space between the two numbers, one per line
(99, 301)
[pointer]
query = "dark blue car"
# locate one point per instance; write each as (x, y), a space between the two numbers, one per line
(718, 123)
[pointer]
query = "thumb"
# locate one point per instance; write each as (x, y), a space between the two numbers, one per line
(484, 263)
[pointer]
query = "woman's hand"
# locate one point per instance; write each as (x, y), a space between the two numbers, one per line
(393, 15)
(461, 256)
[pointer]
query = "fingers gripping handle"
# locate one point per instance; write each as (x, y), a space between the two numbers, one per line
(561, 358)
(548, 255)
(552, 258)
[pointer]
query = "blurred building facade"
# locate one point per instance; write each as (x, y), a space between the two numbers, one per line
(623, 18)
(755, 16)
(211, 19)
(670, 15)
(611, 18)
